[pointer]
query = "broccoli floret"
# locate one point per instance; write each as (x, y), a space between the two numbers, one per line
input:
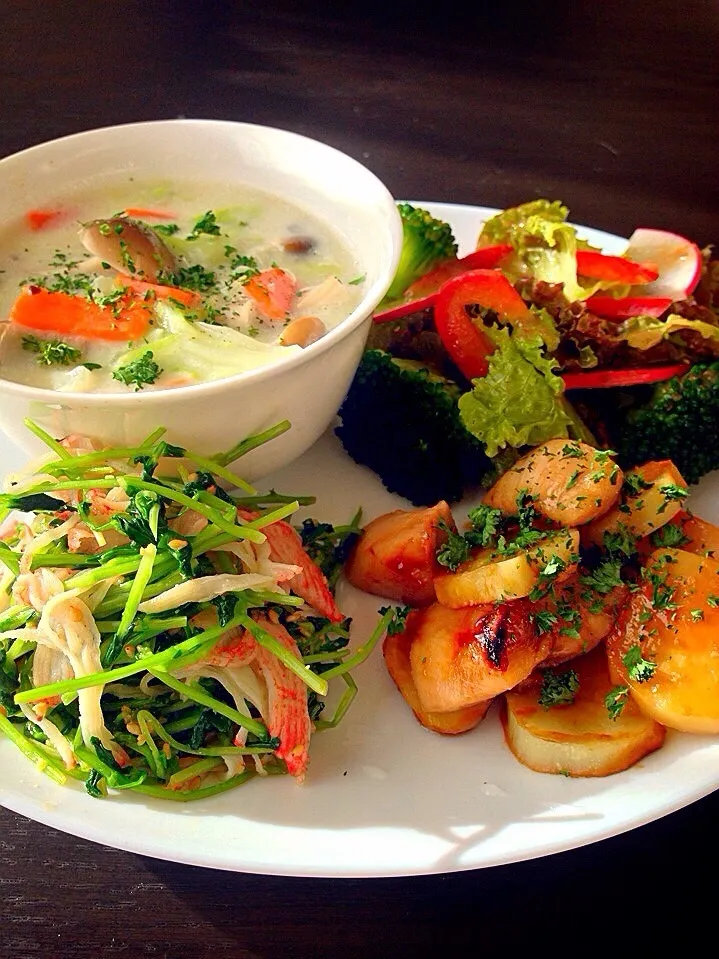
(426, 242)
(679, 420)
(402, 421)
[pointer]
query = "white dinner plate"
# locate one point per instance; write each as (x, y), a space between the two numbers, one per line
(383, 796)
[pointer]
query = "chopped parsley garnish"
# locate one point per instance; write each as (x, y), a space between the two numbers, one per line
(138, 373)
(638, 668)
(398, 621)
(669, 535)
(634, 483)
(604, 578)
(615, 700)
(206, 224)
(558, 689)
(357, 280)
(543, 620)
(51, 352)
(242, 267)
(166, 229)
(672, 493)
(190, 278)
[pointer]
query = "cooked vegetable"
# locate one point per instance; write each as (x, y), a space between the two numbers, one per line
(402, 421)
(73, 315)
(272, 291)
(679, 421)
(492, 576)
(578, 737)
(426, 242)
(652, 495)
(665, 647)
(139, 372)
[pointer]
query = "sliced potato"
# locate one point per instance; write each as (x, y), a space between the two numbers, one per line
(461, 657)
(396, 656)
(656, 502)
(395, 556)
(702, 537)
(665, 645)
(578, 738)
(570, 482)
(488, 577)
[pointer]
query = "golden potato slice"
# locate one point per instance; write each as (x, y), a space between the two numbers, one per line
(665, 645)
(396, 554)
(701, 536)
(396, 656)
(490, 578)
(461, 657)
(578, 738)
(570, 482)
(655, 502)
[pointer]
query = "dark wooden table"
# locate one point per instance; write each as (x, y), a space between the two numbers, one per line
(613, 108)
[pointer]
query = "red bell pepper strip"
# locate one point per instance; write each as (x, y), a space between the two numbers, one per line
(404, 309)
(423, 292)
(485, 258)
(602, 266)
(603, 379)
(272, 291)
(56, 312)
(624, 307)
(464, 340)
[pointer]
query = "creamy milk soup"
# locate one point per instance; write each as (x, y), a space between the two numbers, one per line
(159, 285)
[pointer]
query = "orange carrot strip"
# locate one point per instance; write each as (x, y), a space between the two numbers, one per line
(186, 297)
(273, 291)
(37, 219)
(63, 313)
(142, 213)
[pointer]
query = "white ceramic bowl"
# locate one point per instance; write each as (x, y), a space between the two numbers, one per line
(306, 389)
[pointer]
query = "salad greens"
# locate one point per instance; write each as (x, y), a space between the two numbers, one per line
(162, 627)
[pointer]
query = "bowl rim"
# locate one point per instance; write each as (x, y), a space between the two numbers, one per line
(359, 315)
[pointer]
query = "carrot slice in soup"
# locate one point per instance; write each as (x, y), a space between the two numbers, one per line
(143, 213)
(37, 219)
(158, 290)
(56, 312)
(273, 291)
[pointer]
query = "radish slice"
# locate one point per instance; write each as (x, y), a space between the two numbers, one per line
(678, 260)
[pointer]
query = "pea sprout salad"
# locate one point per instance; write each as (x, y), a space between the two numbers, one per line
(164, 628)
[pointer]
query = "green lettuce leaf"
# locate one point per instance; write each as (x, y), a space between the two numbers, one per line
(520, 401)
(644, 332)
(545, 245)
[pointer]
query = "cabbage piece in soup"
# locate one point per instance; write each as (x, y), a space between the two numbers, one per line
(146, 285)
